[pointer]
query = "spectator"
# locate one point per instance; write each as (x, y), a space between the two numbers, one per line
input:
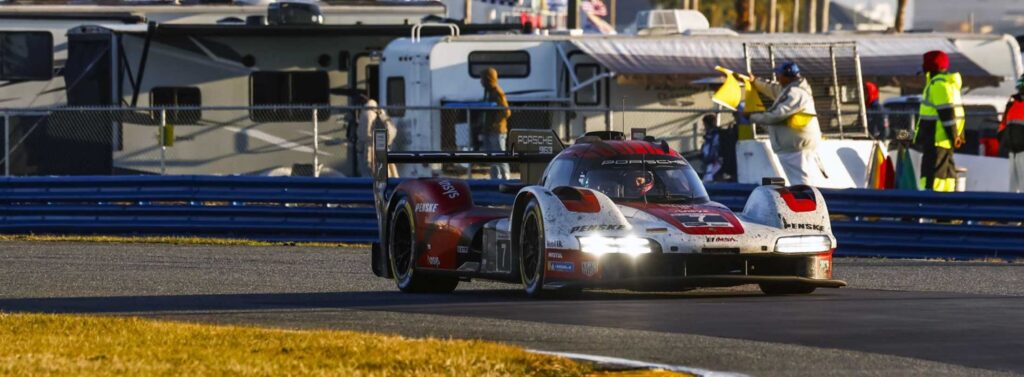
(792, 124)
(940, 125)
(370, 117)
(1011, 135)
(494, 123)
(711, 150)
(878, 121)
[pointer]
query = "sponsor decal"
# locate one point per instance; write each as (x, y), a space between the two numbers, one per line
(380, 140)
(719, 239)
(448, 189)
(462, 249)
(544, 143)
(591, 228)
(433, 261)
(589, 268)
(426, 207)
(561, 266)
(702, 220)
(555, 243)
(802, 226)
(648, 162)
(552, 254)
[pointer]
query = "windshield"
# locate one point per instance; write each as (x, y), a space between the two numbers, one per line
(659, 180)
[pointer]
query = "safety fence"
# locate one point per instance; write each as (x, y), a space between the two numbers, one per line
(905, 224)
(327, 140)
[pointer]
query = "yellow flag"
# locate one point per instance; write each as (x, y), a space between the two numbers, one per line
(751, 99)
(729, 94)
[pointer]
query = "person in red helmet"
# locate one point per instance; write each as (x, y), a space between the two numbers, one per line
(940, 123)
(1011, 135)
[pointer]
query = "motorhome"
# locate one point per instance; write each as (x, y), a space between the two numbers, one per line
(33, 71)
(667, 78)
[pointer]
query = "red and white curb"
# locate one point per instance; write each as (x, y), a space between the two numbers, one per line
(619, 362)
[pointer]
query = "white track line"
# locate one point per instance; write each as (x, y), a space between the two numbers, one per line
(637, 364)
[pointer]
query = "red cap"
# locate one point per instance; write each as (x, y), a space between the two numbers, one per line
(870, 92)
(935, 61)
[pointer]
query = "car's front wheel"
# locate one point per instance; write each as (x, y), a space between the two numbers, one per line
(531, 250)
(787, 289)
(402, 255)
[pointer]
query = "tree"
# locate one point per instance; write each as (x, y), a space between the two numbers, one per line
(901, 13)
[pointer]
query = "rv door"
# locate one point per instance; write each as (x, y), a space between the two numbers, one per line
(587, 92)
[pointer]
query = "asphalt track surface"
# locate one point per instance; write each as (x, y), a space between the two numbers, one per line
(897, 318)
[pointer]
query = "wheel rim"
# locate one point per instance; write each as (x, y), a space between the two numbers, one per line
(530, 247)
(401, 246)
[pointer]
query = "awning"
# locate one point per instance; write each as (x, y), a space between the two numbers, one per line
(883, 57)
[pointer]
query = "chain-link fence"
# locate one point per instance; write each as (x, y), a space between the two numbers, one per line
(324, 141)
(833, 72)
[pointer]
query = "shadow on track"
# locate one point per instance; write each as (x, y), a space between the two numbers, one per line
(331, 300)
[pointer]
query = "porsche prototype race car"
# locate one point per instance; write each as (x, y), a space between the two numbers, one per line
(602, 213)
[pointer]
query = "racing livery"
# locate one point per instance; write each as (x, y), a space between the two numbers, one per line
(603, 213)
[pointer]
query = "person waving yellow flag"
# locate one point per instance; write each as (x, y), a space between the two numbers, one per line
(730, 94)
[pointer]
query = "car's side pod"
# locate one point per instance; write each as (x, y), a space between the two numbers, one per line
(797, 207)
(429, 197)
(567, 212)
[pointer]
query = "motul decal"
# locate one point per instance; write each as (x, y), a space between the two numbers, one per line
(448, 189)
(702, 220)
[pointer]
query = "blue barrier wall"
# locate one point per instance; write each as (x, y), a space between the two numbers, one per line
(865, 222)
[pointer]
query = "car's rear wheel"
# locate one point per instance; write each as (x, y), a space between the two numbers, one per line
(531, 250)
(787, 289)
(402, 255)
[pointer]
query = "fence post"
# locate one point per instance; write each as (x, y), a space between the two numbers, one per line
(863, 110)
(7, 144)
(163, 146)
(835, 86)
(316, 144)
(472, 137)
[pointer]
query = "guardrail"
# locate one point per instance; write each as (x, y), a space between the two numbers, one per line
(904, 224)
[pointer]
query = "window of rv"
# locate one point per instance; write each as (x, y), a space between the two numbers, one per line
(589, 95)
(509, 64)
(294, 92)
(26, 56)
(396, 95)
(170, 96)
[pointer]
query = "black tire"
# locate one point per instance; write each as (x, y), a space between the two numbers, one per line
(531, 250)
(787, 289)
(402, 255)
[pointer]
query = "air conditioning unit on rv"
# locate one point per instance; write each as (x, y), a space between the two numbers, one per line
(670, 21)
(294, 13)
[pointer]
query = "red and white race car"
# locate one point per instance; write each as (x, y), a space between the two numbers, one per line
(604, 213)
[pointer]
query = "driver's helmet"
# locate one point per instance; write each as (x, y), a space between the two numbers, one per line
(637, 182)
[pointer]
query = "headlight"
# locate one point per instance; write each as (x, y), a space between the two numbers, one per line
(600, 245)
(803, 244)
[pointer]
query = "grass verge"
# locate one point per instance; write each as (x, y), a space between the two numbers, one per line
(48, 344)
(166, 240)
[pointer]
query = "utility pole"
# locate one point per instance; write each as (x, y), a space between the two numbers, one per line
(573, 17)
(824, 15)
(901, 13)
(772, 15)
(812, 16)
(751, 19)
(796, 16)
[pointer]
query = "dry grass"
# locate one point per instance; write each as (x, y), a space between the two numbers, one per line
(168, 240)
(49, 345)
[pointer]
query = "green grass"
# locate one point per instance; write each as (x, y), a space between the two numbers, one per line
(63, 345)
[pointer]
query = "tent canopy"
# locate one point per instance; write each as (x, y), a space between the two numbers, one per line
(883, 57)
